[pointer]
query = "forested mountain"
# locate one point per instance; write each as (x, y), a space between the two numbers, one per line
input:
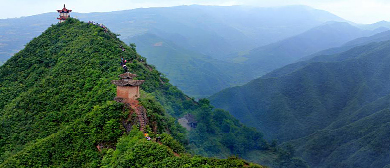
(57, 109)
(203, 34)
(334, 108)
(199, 75)
(196, 74)
(333, 34)
(382, 36)
(327, 54)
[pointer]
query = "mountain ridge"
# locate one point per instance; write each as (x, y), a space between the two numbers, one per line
(57, 110)
(273, 56)
(329, 108)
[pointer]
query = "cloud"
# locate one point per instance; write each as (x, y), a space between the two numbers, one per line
(359, 11)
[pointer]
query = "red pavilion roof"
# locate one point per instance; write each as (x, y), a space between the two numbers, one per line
(61, 18)
(64, 10)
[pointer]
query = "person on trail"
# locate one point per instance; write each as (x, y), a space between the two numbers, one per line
(122, 61)
(147, 136)
(125, 68)
(158, 139)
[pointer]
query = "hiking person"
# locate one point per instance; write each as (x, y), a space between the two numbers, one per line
(125, 68)
(158, 139)
(122, 61)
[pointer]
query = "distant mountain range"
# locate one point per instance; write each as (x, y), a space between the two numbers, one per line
(197, 74)
(205, 49)
(334, 108)
(210, 30)
(383, 36)
(215, 30)
(333, 34)
(206, 75)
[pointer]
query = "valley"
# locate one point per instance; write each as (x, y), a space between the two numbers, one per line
(216, 86)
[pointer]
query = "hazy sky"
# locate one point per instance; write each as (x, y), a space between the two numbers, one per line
(359, 11)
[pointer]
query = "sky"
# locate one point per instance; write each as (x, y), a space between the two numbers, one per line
(358, 11)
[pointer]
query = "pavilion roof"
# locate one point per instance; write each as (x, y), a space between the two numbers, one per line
(128, 82)
(127, 75)
(64, 10)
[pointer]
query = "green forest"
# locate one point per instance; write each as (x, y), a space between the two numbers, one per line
(56, 107)
(332, 108)
(222, 86)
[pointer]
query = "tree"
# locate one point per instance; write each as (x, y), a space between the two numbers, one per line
(133, 47)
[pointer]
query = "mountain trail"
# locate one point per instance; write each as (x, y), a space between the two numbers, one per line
(140, 111)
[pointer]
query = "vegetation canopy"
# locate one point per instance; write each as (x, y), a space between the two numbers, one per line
(57, 109)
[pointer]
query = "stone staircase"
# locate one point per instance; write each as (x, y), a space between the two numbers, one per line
(140, 111)
(142, 118)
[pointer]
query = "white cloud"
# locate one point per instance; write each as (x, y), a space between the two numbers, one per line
(359, 11)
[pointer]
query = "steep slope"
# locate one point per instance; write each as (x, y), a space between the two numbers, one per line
(135, 151)
(57, 109)
(193, 73)
(56, 98)
(332, 108)
(267, 58)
